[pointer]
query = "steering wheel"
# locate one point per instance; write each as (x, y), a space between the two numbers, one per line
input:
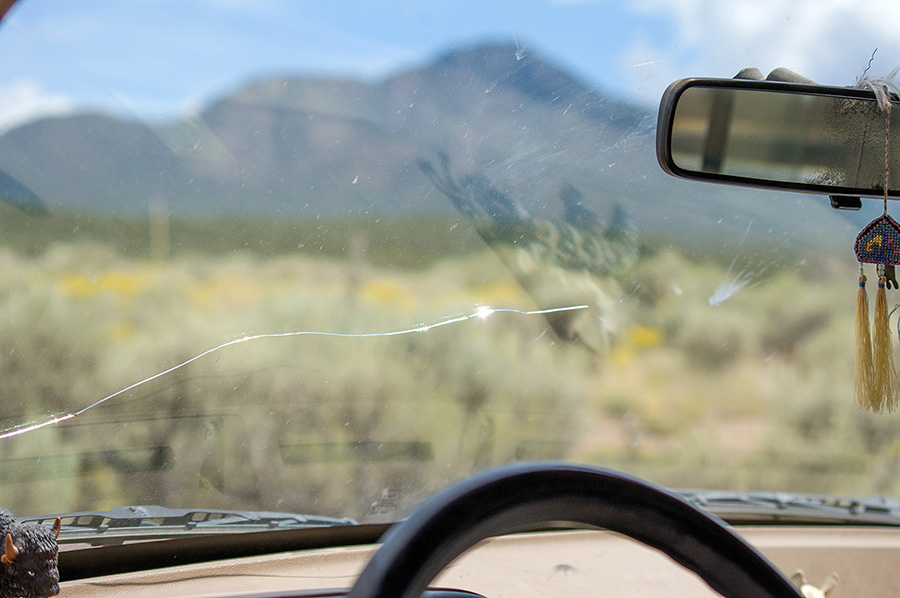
(522, 496)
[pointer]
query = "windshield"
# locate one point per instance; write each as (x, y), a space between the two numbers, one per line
(327, 258)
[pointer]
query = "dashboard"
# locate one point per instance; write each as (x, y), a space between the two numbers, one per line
(570, 563)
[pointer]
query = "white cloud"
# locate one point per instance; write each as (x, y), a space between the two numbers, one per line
(24, 100)
(829, 41)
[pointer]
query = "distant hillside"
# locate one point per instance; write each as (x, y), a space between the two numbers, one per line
(304, 146)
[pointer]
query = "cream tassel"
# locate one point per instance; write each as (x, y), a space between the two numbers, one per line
(885, 382)
(866, 397)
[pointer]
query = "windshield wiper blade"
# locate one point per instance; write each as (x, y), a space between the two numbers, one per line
(157, 522)
(813, 509)
(153, 521)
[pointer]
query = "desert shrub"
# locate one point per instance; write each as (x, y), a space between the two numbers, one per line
(751, 390)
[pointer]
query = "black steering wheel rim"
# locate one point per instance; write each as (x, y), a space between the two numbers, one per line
(524, 495)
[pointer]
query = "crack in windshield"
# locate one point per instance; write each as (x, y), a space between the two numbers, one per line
(480, 313)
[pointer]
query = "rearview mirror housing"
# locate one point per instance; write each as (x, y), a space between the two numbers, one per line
(777, 135)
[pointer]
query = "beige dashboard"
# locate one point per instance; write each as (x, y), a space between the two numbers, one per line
(578, 563)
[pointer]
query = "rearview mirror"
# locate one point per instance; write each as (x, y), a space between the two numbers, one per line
(777, 135)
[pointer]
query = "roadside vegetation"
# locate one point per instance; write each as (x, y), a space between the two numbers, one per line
(752, 390)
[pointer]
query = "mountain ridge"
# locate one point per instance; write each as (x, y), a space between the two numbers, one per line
(309, 146)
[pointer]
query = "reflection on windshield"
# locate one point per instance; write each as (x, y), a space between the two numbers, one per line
(554, 261)
(329, 295)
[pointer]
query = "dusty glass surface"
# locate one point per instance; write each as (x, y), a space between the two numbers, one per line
(290, 257)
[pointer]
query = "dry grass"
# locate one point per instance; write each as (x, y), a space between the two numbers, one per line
(755, 392)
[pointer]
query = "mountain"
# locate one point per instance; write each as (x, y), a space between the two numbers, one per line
(301, 146)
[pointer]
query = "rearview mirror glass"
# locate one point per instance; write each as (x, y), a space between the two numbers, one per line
(770, 134)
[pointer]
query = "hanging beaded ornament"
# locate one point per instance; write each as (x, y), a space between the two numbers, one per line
(877, 381)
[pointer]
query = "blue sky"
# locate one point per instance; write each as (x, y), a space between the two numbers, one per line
(58, 55)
